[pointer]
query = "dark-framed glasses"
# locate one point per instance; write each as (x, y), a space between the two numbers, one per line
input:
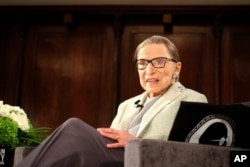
(159, 62)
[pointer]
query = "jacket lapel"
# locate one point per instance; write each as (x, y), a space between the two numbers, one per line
(135, 110)
(174, 91)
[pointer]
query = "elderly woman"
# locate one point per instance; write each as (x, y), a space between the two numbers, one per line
(148, 115)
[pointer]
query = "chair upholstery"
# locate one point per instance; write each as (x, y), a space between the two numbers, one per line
(158, 153)
(20, 153)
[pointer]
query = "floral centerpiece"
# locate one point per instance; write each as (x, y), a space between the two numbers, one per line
(16, 129)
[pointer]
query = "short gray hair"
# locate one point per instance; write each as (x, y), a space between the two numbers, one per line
(157, 39)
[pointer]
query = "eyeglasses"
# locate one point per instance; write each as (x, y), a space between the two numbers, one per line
(159, 62)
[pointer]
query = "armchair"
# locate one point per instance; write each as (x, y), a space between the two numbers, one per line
(158, 153)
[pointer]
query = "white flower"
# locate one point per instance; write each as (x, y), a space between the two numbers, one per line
(16, 114)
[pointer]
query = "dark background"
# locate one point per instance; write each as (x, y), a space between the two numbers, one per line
(58, 62)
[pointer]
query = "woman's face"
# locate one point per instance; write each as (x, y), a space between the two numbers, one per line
(156, 81)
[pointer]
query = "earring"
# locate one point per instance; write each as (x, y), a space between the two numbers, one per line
(175, 77)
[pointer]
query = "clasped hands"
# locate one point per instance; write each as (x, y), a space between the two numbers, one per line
(122, 137)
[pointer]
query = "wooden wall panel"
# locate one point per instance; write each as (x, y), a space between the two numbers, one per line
(68, 74)
(195, 46)
(235, 65)
(10, 52)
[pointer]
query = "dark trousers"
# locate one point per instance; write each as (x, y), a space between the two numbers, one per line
(74, 144)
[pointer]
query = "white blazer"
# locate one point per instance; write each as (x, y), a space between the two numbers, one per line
(158, 120)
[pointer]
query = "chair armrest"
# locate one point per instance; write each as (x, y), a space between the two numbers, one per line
(158, 153)
(20, 153)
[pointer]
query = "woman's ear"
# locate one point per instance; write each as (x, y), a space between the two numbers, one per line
(178, 68)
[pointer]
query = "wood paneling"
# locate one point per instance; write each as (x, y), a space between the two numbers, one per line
(235, 65)
(68, 74)
(10, 63)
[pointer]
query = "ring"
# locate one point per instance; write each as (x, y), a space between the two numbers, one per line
(117, 137)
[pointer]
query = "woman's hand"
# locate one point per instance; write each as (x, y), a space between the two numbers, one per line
(122, 137)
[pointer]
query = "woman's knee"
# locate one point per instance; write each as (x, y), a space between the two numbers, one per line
(72, 123)
(73, 120)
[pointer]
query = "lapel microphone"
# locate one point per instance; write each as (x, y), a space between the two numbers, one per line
(137, 105)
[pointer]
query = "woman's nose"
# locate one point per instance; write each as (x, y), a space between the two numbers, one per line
(150, 69)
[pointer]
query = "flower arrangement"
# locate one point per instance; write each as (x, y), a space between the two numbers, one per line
(16, 129)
